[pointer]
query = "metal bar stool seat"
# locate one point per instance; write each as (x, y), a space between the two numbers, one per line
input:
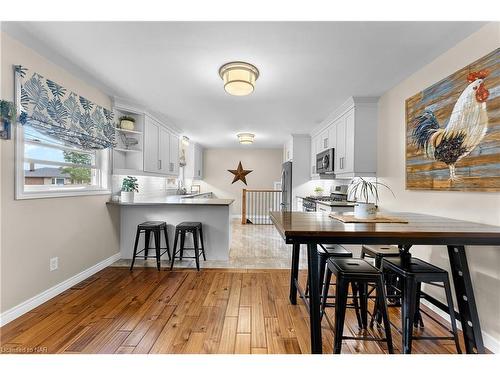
(196, 229)
(379, 252)
(360, 272)
(414, 272)
(148, 227)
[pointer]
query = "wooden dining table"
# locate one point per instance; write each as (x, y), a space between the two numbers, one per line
(313, 228)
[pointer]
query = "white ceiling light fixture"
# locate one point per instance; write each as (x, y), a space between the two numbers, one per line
(239, 77)
(185, 140)
(246, 138)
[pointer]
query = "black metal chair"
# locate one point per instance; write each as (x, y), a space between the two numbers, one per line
(196, 229)
(148, 227)
(413, 273)
(359, 272)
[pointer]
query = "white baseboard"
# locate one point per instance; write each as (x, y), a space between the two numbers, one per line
(489, 341)
(37, 300)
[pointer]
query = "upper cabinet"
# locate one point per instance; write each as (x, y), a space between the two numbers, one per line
(173, 165)
(352, 132)
(315, 141)
(324, 141)
(161, 149)
(194, 162)
(150, 148)
(152, 155)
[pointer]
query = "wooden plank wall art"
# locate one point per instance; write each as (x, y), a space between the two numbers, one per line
(453, 131)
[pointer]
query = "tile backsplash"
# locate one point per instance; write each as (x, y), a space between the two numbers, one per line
(148, 186)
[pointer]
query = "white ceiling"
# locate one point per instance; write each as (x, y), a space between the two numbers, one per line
(306, 69)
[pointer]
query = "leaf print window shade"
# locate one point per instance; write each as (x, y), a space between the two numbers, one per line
(52, 109)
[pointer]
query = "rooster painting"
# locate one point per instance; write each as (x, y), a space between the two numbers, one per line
(456, 118)
(465, 130)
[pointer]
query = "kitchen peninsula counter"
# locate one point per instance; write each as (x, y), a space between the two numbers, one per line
(213, 213)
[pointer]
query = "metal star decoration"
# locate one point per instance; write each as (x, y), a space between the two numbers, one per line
(239, 174)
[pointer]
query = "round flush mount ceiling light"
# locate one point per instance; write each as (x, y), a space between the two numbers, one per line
(246, 138)
(239, 77)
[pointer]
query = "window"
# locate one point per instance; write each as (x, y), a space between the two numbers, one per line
(47, 167)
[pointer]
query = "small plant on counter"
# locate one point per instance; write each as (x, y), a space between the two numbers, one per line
(129, 186)
(363, 190)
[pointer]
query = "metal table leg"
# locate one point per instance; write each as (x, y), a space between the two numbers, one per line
(465, 299)
(314, 299)
(294, 274)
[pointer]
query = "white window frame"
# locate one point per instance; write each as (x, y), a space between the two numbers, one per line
(102, 165)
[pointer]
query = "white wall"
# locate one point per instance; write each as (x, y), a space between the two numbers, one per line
(264, 163)
(81, 231)
(484, 262)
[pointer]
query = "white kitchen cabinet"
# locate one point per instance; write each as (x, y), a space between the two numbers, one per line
(340, 145)
(324, 143)
(173, 164)
(161, 149)
(152, 162)
(198, 166)
(352, 131)
(332, 135)
(164, 151)
(194, 162)
(314, 150)
(356, 152)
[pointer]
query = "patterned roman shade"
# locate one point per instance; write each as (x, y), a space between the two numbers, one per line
(52, 109)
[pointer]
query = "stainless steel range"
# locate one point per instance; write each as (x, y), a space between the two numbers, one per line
(335, 200)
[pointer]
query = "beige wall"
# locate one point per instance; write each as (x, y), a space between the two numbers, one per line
(265, 163)
(81, 231)
(477, 207)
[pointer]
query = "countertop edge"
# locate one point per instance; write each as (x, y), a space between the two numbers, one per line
(191, 202)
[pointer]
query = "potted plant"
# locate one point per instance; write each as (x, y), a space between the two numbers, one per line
(318, 190)
(363, 189)
(129, 186)
(127, 123)
(7, 118)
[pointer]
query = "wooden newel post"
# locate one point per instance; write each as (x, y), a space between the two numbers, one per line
(244, 207)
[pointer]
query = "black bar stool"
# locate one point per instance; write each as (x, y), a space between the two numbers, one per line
(378, 253)
(196, 229)
(148, 227)
(360, 272)
(334, 251)
(413, 272)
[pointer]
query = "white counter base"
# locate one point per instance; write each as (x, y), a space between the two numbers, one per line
(216, 222)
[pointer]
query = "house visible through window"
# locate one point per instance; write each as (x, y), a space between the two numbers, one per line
(49, 167)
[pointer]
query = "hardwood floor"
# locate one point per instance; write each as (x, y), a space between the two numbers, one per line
(184, 311)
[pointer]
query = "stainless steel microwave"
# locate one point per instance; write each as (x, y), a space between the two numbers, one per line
(325, 161)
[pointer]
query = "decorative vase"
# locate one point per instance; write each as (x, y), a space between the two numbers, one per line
(318, 193)
(365, 211)
(127, 124)
(127, 197)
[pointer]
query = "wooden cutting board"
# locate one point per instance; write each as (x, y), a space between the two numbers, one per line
(347, 218)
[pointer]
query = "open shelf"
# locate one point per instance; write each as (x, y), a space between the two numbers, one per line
(128, 131)
(126, 149)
